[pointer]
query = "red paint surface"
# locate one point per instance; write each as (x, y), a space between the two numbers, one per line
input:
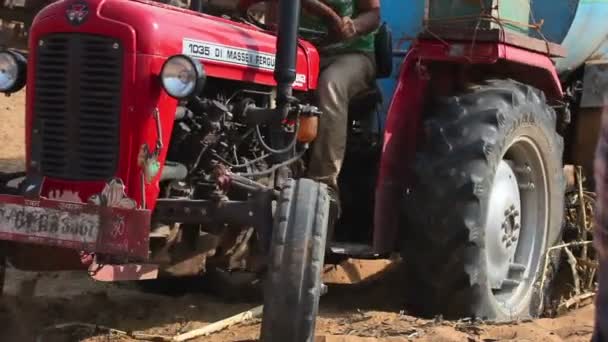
(150, 33)
(126, 272)
(403, 125)
(539, 70)
(400, 142)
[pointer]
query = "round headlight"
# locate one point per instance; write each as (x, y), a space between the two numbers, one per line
(12, 71)
(182, 77)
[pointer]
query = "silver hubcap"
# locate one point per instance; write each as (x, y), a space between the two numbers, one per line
(504, 224)
(517, 223)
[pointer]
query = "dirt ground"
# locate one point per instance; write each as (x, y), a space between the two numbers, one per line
(363, 313)
(12, 132)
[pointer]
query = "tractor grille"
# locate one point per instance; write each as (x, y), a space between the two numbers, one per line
(77, 106)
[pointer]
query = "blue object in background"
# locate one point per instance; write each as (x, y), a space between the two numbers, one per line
(404, 17)
(581, 26)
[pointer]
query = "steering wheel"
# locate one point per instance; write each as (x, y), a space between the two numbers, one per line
(321, 9)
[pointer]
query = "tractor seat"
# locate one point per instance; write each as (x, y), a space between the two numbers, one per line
(364, 103)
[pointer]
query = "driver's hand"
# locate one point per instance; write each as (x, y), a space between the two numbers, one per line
(347, 28)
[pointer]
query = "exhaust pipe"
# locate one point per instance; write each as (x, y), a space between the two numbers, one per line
(285, 67)
(287, 47)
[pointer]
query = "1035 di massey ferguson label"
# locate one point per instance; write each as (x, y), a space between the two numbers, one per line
(228, 54)
(233, 55)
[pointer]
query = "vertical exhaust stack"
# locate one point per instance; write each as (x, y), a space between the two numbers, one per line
(285, 66)
(287, 45)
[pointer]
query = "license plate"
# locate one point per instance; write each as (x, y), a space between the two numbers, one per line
(47, 223)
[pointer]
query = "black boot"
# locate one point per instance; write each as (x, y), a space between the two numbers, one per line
(335, 212)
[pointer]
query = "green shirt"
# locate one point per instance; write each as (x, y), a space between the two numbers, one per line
(344, 8)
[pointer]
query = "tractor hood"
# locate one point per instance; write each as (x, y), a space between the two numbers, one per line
(226, 48)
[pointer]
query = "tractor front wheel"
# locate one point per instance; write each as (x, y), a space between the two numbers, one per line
(293, 284)
(487, 203)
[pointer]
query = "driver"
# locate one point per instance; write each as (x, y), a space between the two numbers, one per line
(347, 67)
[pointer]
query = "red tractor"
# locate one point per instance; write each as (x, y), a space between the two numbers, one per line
(162, 142)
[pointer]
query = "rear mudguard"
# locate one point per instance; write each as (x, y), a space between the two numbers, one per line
(404, 119)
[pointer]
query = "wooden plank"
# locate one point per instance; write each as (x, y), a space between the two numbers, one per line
(497, 36)
(220, 325)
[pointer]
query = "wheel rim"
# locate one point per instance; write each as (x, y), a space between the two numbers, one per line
(517, 224)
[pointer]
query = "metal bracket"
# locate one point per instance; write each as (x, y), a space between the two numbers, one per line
(159, 132)
(255, 212)
(148, 160)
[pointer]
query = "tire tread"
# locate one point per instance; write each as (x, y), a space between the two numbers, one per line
(464, 137)
(294, 281)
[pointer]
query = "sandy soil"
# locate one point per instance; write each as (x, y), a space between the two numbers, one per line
(349, 313)
(12, 132)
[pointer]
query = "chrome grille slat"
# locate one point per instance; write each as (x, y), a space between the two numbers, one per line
(77, 106)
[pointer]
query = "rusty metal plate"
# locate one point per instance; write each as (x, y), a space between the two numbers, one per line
(84, 227)
(45, 223)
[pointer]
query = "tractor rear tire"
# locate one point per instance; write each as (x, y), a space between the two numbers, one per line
(293, 285)
(486, 205)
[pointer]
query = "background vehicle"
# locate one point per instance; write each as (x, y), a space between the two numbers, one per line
(454, 159)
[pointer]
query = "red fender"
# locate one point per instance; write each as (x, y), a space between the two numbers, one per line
(403, 125)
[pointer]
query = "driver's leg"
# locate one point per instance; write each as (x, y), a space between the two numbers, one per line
(343, 77)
